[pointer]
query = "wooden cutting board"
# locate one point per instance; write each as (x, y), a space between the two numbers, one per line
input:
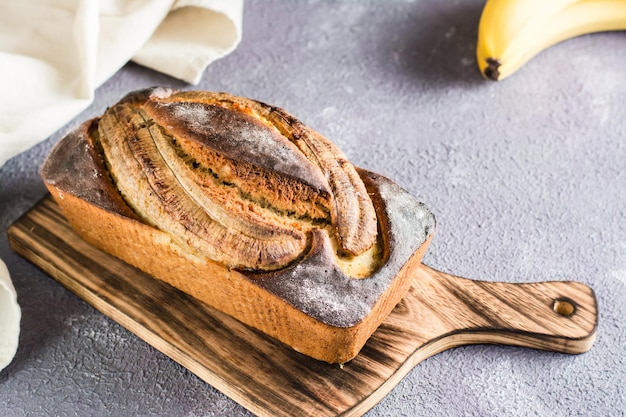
(440, 312)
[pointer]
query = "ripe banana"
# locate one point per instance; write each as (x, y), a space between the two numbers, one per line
(512, 32)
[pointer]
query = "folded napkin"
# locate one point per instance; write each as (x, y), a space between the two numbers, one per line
(55, 53)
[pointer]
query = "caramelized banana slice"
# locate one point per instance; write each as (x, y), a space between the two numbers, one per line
(351, 210)
(236, 180)
(354, 216)
(241, 152)
(143, 172)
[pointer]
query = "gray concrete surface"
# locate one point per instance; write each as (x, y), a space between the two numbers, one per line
(526, 178)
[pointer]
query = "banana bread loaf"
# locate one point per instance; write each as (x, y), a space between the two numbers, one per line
(244, 207)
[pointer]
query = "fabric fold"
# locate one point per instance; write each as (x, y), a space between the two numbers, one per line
(55, 53)
(193, 35)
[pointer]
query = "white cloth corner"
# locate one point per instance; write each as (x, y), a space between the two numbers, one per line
(10, 315)
(55, 53)
(193, 35)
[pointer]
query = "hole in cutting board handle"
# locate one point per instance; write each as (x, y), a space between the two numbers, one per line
(559, 316)
(564, 307)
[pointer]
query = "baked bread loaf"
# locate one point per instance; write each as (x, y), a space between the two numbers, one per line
(245, 208)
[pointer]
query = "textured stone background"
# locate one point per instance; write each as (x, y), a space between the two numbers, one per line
(526, 178)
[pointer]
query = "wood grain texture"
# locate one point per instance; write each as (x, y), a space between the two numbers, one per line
(439, 312)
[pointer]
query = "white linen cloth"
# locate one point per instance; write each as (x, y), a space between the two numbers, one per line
(10, 315)
(55, 53)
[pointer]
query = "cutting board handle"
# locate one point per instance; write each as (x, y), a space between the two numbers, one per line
(559, 316)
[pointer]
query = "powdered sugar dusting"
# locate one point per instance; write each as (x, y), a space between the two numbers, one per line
(320, 289)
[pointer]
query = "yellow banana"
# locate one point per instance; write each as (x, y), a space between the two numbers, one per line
(511, 32)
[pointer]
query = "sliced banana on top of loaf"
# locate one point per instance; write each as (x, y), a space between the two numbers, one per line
(233, 179)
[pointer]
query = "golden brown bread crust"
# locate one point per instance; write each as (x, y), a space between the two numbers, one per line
(312, 305)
